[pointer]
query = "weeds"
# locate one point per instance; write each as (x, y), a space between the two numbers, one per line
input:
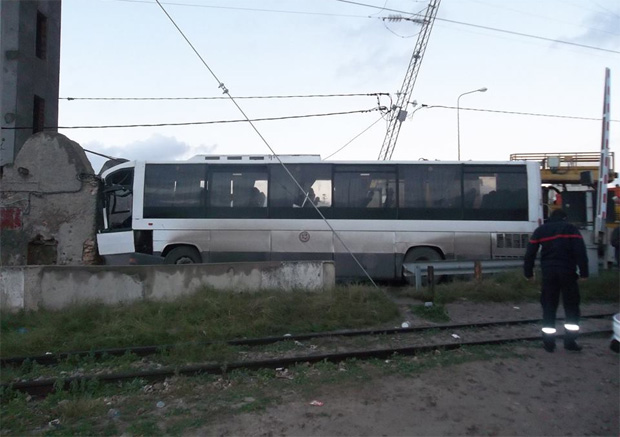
(513, 287)
(434, 313)
(205, 316)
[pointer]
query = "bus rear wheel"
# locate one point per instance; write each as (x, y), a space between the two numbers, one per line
(420, 254)
(183, 255)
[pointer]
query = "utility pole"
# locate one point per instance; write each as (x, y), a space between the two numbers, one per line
(398, 112)
(603, 171)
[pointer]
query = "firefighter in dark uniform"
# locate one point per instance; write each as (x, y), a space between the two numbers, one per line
(563, 251)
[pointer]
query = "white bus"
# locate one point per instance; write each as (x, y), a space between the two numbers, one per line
(213, 209)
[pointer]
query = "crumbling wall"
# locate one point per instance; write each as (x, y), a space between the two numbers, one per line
(48, 201)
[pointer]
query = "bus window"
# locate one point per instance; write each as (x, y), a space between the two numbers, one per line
(365, 191)
(118, 192)
(288, 201)
(174, 191)
(239, 191)
(499, 192)
(430, 192)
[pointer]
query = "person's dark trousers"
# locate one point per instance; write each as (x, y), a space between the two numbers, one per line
(556, 282)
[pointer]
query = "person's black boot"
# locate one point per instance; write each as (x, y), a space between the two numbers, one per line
(549, 342)
(570, 343)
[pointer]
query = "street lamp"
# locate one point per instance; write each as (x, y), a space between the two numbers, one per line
(458, 122)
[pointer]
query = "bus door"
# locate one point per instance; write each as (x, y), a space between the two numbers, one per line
(117, 236)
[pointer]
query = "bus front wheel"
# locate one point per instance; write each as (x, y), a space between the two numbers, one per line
(183, 255)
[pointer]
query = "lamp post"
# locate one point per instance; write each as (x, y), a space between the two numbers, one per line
(458, 122)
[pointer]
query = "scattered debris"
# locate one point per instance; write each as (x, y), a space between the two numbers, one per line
(160, 404)
(428, 304)
(283, 373)
(516, 308)
(456, 336)
(404, 325)
(316, 403)
(221, 383)
(54, 423)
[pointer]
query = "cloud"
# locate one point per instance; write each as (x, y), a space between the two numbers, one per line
(155, 148)
(602, 29)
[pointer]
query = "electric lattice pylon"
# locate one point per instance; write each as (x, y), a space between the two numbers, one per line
(398, 111)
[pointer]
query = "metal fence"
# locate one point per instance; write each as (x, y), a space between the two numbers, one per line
(429, 269)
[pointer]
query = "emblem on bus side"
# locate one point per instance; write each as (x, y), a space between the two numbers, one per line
(304, 237)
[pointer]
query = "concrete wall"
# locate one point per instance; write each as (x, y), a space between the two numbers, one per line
(48, 204)
(24, 75)
(56, 287)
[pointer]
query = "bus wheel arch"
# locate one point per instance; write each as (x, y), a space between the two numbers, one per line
(421, 253)
(182, 254)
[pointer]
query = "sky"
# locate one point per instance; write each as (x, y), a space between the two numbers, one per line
(131, 49)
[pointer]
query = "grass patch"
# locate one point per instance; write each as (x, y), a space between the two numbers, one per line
(513, 287)
(435, 313)
(604, 288)
(205, 316)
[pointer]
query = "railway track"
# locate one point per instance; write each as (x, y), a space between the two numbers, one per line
(41, 387)
(142, 351)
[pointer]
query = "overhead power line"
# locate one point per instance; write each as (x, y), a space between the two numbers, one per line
(532, 114)
(510, 32)
(197, 123)
(494, 29)
(234, 8)
(353, 139)
(327, 114)
(228, 98)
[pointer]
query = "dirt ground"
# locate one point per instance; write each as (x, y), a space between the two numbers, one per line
(551, 394)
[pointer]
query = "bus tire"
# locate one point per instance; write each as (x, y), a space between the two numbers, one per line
(183, 255)
(421, 254)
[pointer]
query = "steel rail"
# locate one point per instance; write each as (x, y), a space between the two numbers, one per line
(51, 359)
(44, 386)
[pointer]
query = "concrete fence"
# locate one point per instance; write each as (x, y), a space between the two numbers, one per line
(56, 287)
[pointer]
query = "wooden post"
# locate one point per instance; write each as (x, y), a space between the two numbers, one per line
(478, 270)
(431, 281)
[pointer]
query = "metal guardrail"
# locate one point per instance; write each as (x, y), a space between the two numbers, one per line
(421, 268)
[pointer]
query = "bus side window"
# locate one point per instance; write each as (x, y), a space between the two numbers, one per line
(238, 191)
(502, 191)
(287, 200)
(174, 191)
